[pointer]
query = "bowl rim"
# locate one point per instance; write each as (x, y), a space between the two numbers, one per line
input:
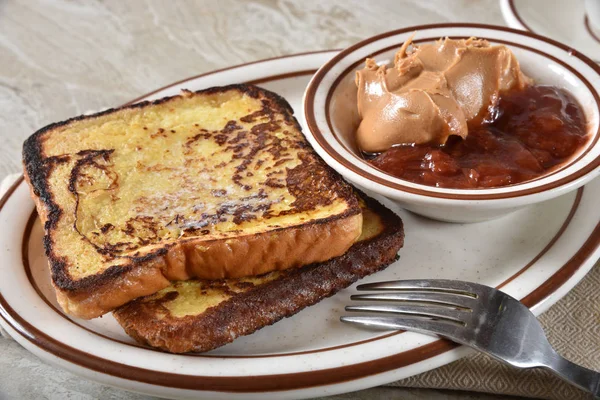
(579, 175)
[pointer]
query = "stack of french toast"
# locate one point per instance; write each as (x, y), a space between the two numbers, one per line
(199, 218)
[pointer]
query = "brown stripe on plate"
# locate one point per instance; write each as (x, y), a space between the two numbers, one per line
(318, 135)
(281, 76)
(558, 234)
(234, 384)
(10, 191)
(223, 70)
(566, 272)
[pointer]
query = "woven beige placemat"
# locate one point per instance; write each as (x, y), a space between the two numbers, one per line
(572, 326)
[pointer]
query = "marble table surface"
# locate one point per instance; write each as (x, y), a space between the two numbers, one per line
(61, 58)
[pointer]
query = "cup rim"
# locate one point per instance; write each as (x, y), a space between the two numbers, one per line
(574, 179)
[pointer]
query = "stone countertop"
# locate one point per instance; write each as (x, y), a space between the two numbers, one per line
(62, 58)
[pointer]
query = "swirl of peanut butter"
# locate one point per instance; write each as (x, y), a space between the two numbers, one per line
(433, 91)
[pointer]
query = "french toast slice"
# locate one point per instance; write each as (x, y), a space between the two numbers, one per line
(199, 315)
(215, 184)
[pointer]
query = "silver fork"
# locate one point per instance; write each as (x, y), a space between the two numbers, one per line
(475, 315)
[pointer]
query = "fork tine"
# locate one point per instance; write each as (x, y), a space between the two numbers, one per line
(422, 311)
(425, 326)
(437, 285)
(441, 299)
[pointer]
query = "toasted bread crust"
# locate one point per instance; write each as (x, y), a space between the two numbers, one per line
(178, 262)
(97, 294)
(265, 304)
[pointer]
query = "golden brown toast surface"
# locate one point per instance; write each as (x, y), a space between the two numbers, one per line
(182, 187)
(199, 315)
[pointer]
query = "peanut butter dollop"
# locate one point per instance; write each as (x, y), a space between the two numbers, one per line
(433, 91)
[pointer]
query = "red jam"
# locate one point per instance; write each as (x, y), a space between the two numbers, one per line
(529, 133)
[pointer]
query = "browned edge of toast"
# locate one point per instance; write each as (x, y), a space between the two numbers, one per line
(37, 169)
(247, 312)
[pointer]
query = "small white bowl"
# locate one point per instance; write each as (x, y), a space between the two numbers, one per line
(331, 119)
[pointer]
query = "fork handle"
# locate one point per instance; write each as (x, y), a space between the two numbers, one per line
(579, 376)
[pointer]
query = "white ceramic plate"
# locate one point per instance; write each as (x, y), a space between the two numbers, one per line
(536, 254)
(564, 21)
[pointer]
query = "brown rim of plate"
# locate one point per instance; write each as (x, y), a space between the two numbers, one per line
(422, 190)
(263, 383)
(252, 384)
(27, 266)
(253, 82)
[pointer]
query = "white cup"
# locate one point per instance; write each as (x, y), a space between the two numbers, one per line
(592, 10)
